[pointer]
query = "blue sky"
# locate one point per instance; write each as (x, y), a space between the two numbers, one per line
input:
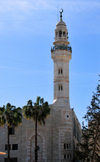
(26, 36)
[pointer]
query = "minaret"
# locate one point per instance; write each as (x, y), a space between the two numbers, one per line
(61, 55)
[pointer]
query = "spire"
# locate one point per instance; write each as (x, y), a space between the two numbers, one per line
(61, 11)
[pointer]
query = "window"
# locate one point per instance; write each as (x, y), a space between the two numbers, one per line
(60, 71)
(14, 146)
(64, 34)
(11, 159)
(67, 146)
(64, 146)
(60, 87)
(12, 130)
(60, 33)
(6, 147)
(65, 156)
(68, 156)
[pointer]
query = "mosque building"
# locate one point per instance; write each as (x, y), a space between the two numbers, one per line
(57, 139)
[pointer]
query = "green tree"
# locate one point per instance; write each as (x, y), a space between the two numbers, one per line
(90, 143)
(11, 116)
(38, 112)
(82, 149)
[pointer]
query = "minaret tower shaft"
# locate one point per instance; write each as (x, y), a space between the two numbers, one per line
(61, 55)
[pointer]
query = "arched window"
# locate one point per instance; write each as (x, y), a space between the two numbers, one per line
(68, 156)
(60, 87)
(60, 33)
(64, 146)
(64, 34)
(65, 157)
(67, 146)
(60, 71)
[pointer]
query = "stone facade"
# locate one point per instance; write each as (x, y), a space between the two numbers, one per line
(58, 138)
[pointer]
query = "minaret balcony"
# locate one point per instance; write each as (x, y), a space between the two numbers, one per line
(61, 47)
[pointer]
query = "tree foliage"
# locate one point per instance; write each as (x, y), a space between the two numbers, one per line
(89, 148)
(38, 112)
(11, 116)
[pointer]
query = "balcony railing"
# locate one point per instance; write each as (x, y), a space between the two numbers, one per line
(61, 47)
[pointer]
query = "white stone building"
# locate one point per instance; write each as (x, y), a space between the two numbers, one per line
(58, 138)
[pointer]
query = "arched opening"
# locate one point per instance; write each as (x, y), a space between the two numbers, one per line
(60, 87)
(60, 33)
(60, 71)
(64, 34)
(31, 149)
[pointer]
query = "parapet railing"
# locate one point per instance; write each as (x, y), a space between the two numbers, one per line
(61, 47)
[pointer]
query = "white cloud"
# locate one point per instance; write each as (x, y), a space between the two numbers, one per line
(25, 5)
(13, 13)
(80, 5)
(13, 6)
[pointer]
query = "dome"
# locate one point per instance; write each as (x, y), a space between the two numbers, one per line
(61, 23)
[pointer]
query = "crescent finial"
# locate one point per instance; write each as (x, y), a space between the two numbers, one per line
(61, 11)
